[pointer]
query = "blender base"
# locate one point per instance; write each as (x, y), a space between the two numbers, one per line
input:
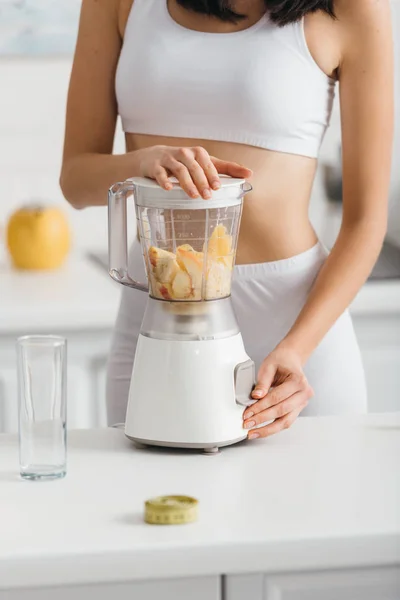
(207, 448)
(182, 393)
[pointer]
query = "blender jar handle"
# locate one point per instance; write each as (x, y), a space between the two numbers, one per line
(246, 188)
(118, 236)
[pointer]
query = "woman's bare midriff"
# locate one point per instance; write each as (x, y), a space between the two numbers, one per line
(275, 223)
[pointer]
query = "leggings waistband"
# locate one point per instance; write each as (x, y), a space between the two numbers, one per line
(305, 260)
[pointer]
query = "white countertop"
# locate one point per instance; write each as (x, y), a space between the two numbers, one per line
(78, 296)
(81, 296)
(324, 494)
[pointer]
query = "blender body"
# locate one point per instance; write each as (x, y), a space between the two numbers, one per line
(191, 376)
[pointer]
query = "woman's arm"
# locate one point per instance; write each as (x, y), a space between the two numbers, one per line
(366, 98)
(88, 168)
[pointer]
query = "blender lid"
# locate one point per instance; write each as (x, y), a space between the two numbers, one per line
(152, 195)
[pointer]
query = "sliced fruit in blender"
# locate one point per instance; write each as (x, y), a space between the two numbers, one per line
(226, 260)
(164, 291)
(181, 276)
(164, 264)
(220, 243)
(192, 262)
(218, 282)
(182, 286)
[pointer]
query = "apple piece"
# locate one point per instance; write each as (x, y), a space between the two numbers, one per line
(162, 291)
(181, 286)
(227, 260)
(164, 264)
(186, 249)
(218, 283)
(220, 243)
(192, 262)
(165, 291)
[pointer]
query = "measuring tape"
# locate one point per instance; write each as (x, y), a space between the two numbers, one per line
(171, 510)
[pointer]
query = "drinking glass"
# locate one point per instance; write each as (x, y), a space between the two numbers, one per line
(42, 387)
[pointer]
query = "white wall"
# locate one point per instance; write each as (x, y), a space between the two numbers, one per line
(32, 112)
(32, 108)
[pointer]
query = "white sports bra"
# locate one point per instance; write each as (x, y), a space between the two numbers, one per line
(259, 86)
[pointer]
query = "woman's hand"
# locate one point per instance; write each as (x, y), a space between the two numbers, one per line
(196, 171)
(282, 392)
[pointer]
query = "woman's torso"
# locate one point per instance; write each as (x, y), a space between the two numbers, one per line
(275, 223)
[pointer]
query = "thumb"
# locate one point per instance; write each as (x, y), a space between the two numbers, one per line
(266, 377)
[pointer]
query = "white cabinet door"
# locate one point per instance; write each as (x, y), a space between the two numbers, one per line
(242, 587)
(360, 584)
(98, 371)
(379, 339)
(205, 588)
(374, 584)
(8, 397)
(87, 359)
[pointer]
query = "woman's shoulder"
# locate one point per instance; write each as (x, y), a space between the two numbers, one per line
(357, 11)
(359, 22)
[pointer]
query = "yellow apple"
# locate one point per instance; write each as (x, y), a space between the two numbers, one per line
(38, 238)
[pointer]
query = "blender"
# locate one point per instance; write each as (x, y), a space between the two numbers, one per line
(191, 376)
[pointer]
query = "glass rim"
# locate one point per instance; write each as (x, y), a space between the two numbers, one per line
(41, 340)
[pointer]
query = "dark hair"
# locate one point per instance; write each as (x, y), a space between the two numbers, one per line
(281, 12)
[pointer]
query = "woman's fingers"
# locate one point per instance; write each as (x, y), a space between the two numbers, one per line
(282, 391)
(196, 172)
(205, 162)
(266, 378)
(293, 383)
(199, 179)
(187, 157)
(161, 176)
(231, 168)
(278, 425)
(292, 404)
(181, 172)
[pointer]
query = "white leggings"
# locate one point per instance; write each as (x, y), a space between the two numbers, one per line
(267, 299)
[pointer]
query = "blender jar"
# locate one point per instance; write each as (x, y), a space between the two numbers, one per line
(189, 254)
(188, 245)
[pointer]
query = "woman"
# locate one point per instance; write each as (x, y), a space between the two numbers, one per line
(205, 86)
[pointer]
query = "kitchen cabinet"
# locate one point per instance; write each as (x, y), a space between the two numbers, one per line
(371, 584)
(87, 364)
(203, 588)
(358, 584)
(379, 339)
(79, 302)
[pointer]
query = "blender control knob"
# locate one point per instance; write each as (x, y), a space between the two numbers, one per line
(245, 380)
